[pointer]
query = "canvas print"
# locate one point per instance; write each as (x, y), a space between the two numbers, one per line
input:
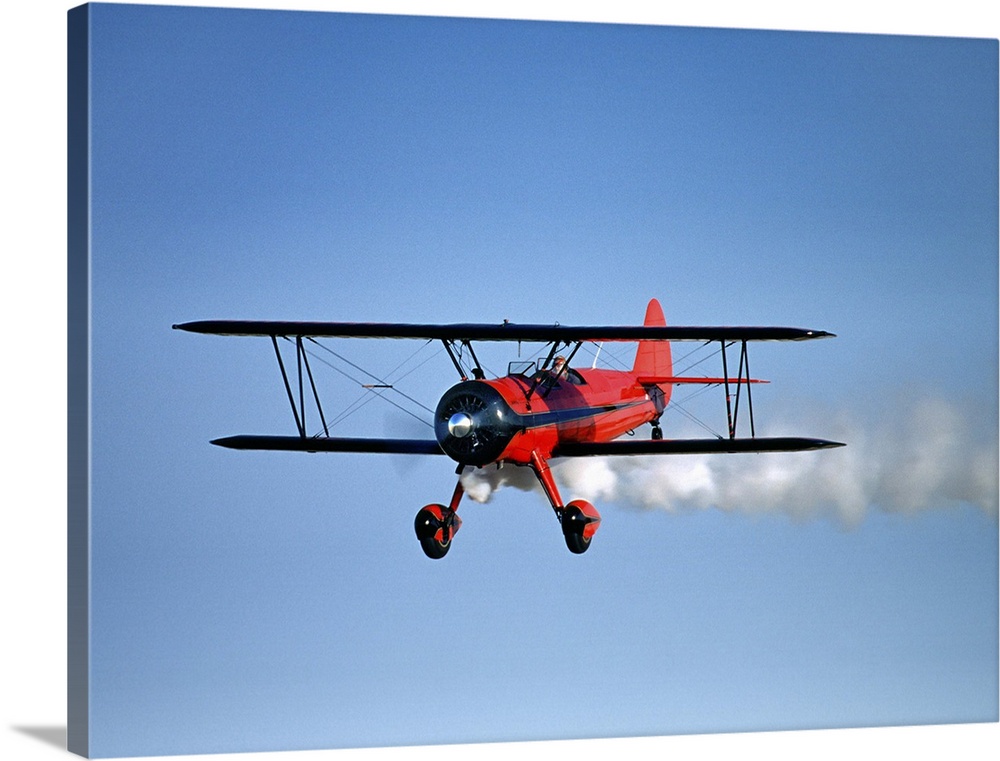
(691, 332)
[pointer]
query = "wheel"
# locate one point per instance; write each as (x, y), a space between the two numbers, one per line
(435, 527)
(657, 433)
(577, 543)
(580, 521)
(434, 549)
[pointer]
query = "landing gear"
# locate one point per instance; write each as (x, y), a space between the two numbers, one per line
(657, 434)
(580, 519)
(436, 526)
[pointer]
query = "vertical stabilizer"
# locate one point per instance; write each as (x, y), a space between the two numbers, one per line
(653, 359)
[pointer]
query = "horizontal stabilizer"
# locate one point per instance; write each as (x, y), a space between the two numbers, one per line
(328, 444)
(691, 446)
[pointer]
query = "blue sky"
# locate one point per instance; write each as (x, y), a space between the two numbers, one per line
(304, 166)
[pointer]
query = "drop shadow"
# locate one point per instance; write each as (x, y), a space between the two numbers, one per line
(50, 735)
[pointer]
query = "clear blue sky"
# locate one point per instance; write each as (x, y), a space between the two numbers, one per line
(280, 165)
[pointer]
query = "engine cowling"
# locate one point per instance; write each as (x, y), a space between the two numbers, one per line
(474, 424)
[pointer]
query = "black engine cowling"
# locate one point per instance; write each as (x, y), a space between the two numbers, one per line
(473, 423)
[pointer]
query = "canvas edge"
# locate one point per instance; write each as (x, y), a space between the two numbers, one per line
(78, 380)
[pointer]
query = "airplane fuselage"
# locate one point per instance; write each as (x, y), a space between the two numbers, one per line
(517, 418)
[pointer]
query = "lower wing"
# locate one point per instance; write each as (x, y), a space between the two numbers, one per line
(570, 449)
(327, 444)
(692, 446)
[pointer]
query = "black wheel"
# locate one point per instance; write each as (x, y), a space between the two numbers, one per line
(657, 433)
(434, 549)
(435, 528)
(577, 543)
(573, 524)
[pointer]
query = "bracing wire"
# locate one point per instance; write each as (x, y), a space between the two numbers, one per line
(375, 392)
(377, 379)
(368, 396)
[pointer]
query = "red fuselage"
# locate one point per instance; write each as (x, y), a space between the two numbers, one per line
(517, 418)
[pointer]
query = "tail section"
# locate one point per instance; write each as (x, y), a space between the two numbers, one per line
(653, 359)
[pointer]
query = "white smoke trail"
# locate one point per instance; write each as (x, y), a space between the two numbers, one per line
(926, 457)
(481, 483)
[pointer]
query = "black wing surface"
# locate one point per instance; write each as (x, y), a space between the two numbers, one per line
(579, 449)
(499, 332)
(692, 446)
(330, 444)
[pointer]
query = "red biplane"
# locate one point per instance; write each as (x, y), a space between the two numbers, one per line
(534, 413)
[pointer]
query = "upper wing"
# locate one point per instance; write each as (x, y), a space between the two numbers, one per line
(502, 332)
(692, 446)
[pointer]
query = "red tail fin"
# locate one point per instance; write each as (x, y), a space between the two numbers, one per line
(653, 359)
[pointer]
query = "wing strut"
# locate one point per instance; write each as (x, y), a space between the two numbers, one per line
(312, 384)
(733, 411)
(745, 360)
(288, 389)
(477, 369)
(299, 411)
(454, 359)
(725, 375)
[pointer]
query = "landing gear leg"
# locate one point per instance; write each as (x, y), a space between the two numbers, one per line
(436, 525)
(580, 519)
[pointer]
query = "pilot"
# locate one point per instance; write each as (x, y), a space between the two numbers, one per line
(559, 367)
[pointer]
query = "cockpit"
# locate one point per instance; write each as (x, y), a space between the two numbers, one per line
(547, 377)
